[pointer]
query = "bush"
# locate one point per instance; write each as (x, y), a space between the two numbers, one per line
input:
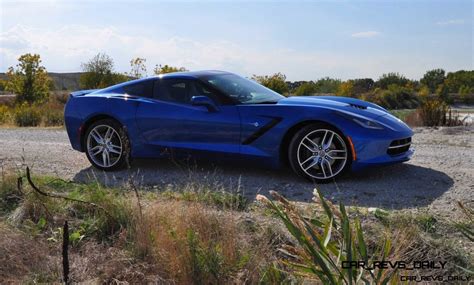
(436, 112)
(325, 243)
(395, 97)
(54, 118)
(27, 116)
(5, 114)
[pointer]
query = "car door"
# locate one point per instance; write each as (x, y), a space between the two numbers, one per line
(170, 121)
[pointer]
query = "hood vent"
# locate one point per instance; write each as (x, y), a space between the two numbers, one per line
(357, 106)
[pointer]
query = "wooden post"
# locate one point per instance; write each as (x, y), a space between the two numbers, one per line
(65, 253)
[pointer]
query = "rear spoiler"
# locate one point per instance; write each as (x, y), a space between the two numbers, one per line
(82, 92)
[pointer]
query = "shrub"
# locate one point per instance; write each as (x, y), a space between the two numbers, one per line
(5, 114)
(395, 97)
(54, 118)
(326, 242)
(27, 116)
(435, 112)
(307, 88)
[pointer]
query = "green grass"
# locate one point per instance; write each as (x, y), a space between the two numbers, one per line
(402, 114)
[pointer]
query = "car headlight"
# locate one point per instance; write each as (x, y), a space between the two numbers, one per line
(369, 124)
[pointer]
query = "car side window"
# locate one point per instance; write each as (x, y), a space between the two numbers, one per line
(202, 90)
(141, 89)
(174, 90)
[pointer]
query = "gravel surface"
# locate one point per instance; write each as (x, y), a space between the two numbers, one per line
(440, 173)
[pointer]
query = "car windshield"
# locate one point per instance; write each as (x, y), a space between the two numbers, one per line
(243, 90)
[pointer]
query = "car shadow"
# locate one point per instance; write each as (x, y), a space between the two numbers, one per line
(397, 186)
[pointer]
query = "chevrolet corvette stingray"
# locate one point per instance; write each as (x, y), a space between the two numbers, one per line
(223, 116)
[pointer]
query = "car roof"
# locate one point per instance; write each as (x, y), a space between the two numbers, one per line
(192, 74)
(176, 75)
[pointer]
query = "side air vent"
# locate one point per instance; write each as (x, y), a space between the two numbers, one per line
(399, 146)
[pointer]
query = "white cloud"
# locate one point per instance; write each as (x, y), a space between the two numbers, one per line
(368, 34)
(64, 50)
(451, 22)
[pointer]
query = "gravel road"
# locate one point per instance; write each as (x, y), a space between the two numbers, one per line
(440, 173)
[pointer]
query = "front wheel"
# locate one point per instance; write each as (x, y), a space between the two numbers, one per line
(319, 152)
(107, 145)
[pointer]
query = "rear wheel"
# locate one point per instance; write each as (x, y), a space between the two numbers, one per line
(107, 146)
(319, 152)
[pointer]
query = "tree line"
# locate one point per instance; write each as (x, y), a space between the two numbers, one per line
(30, 82)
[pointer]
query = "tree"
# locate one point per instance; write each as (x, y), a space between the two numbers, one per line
(454, 80)
(276, 82)
(307, 88)
(346, 89)
(99, 73)
(391, 78)
(138, 67)
(327, 85)
(2, 85)
(29, 80)
(433, 78)
(362, 85)
(159, 69)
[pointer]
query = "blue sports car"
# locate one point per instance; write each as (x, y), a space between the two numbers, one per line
(220, 115)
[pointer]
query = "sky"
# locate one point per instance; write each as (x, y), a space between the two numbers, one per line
(305, 40)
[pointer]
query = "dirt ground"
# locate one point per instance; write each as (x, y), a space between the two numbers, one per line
(440, 173)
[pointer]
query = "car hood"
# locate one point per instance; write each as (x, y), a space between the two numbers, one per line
(344, 104)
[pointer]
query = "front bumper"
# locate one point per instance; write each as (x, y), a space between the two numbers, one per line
(381, 152)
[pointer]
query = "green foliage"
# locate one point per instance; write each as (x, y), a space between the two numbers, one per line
(466, 94)
(219, 199)
(402, 114)
(99, 73)
(427, 223)
(395, 97)
(346, 89)
(276, 82)
(3, 83)
(433, 78)
(466, 228)
(159, 69)
(27, 116)
(53, 117)
(307, 88)
(29, 80)
(454, 80)
(442, 92)
(327, 85)
(5, 114)
(325, 242)
(10, 196)
(391, 78)
(138, 67)
(435, 112)
(207, 261)
(362, 85)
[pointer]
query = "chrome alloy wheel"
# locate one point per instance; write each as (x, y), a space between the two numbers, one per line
(322, 154)
(104, 146)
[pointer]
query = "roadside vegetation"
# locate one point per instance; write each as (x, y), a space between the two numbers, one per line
(200, 234)
(39, 103)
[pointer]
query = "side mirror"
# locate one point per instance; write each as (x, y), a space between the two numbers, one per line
(204, 101)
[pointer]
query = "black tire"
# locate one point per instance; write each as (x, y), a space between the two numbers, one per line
(310, 174)
(89, 142)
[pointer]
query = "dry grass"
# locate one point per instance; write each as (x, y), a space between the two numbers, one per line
(140, 237)
(24, 258)
(164, 240)
(190, 242)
